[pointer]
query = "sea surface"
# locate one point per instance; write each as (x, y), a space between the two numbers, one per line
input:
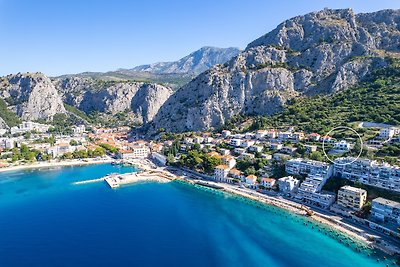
(46, 221)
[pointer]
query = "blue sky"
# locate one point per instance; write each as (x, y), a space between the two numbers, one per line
(71, 36)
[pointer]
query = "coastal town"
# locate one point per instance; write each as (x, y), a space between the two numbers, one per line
(283, 165)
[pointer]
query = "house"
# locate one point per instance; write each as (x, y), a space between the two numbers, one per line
(342, 145)
(239, 150)
(310, 148)
(284, 135)
(288, 150)
(235, 142)
(247, 143)
(208, 139)
(236, 174)
(385, 210)
(226, 133)
(288, 184)
(314, 136)
(249, 135)
(224, 151)
(268, 182)
(198, 140)
(297, 136)
(3, 131)
(28, 126)
(327, 139)
(256, 148)
(275, 146)
(221, 174)
(351, 197)
(243, 156)
(260, 134)
(251, 180)
(280, 156)
(387, 133)
(229, 161)
(78, 129)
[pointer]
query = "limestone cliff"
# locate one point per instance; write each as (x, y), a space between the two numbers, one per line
(31, 95)
(321, 52)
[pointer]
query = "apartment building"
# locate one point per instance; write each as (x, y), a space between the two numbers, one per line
(300, 166)
(351, 197)
(221, 173)
(310, 191)
(368, 172)
(386, 210)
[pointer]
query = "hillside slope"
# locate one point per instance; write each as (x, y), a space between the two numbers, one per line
(322, 52)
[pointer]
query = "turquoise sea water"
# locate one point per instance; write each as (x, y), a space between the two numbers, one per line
(46, 221)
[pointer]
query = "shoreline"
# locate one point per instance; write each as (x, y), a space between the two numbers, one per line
(51, 164)
(356, 235)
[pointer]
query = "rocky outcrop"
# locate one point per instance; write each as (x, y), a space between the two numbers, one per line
(88, 95)
(195, 63)
(31, 95)
(321, 52)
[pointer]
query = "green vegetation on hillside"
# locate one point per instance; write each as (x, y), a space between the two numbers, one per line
(8, 116)
(377, 100)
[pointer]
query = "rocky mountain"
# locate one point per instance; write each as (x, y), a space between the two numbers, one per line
(31, 96)
(195, 63)
(141, 99)
(319, 53)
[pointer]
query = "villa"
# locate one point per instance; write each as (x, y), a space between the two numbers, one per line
(341, 146)
(288, 184)
(268, 182)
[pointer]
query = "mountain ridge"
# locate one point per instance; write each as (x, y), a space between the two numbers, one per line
(322, 52)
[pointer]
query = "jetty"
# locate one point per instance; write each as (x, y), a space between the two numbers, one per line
(90, 181)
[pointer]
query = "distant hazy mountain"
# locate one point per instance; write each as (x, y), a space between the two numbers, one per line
(195, 63)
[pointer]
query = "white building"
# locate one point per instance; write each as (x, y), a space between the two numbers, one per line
(288, 184)
(385, 210)
(229, 161)
(284, 135)
(134, 152)
(387, 133)
(342, 145)
(235, 142)
(221, 173)
(7, 143)
(351, 197)
(368, 172)
(310, 192)
(301, 166)
(28, 126)
(79, 129)
(226, 133)
(268, 182)
(251, 180)
(247, 143)
(3, 131)
(256, 148)
(275, 146)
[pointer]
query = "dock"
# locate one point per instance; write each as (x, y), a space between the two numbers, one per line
(90, 181)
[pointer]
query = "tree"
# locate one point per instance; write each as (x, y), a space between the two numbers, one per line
(73, 142)
(250, 170)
